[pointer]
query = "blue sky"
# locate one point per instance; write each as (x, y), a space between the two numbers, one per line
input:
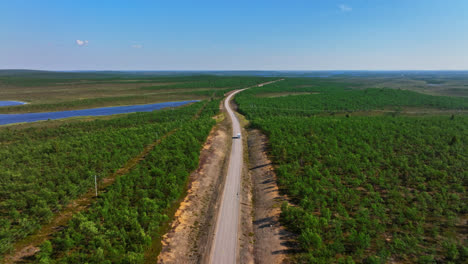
(234, 35)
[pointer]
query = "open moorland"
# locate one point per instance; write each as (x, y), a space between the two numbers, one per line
(56, 91)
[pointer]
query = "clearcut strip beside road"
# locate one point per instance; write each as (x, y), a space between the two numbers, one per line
(224, 249)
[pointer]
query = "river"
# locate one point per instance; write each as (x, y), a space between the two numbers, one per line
(11, 103)
(103, 111)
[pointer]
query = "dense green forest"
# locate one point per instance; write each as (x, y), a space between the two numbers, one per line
(129, 215)
(366, 189)
(327, 96)
(43, 169)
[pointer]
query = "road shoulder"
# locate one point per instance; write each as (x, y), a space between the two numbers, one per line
(246, 232)
(189, 235)
(273, 243)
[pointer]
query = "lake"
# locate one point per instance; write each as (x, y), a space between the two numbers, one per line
(103, 111)
(10, 103)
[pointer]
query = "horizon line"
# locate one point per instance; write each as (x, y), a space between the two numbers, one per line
(236, 70)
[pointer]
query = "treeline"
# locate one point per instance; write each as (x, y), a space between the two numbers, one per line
(43, 169)
(27, 78)
(175, 88)
(332, 96)
(45, 78)
(69, 105)
(75, 128)
(214, 82)
(368, 189)
(107, 102)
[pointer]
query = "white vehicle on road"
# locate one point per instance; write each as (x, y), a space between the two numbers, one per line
(238, 135)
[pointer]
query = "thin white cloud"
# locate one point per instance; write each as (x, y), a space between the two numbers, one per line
(82, 42)
(345, 8)
(137, 46)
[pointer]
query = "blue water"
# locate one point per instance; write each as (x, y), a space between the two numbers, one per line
(10, 103)
(32, 117)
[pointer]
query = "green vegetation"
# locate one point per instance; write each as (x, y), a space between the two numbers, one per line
(369, 189)
(337, 97)
(48, 91)
(105, 101)
(44, 169)
(366, 189)
(213, 82)
(128, 216)
(47, 167)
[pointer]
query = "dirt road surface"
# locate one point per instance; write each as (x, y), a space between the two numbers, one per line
(226, 238)
(224, 249)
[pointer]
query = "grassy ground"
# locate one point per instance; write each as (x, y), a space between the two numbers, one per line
(55, 92)
(433, 85)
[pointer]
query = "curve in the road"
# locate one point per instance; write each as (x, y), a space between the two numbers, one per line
(225, 243)
(226, 234)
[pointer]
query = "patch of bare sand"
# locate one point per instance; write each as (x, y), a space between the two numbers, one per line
(273, 242)
(189, 236)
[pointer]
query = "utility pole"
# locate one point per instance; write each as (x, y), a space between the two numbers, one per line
(95, 183)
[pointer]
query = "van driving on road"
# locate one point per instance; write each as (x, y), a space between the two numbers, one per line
(238, 135)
